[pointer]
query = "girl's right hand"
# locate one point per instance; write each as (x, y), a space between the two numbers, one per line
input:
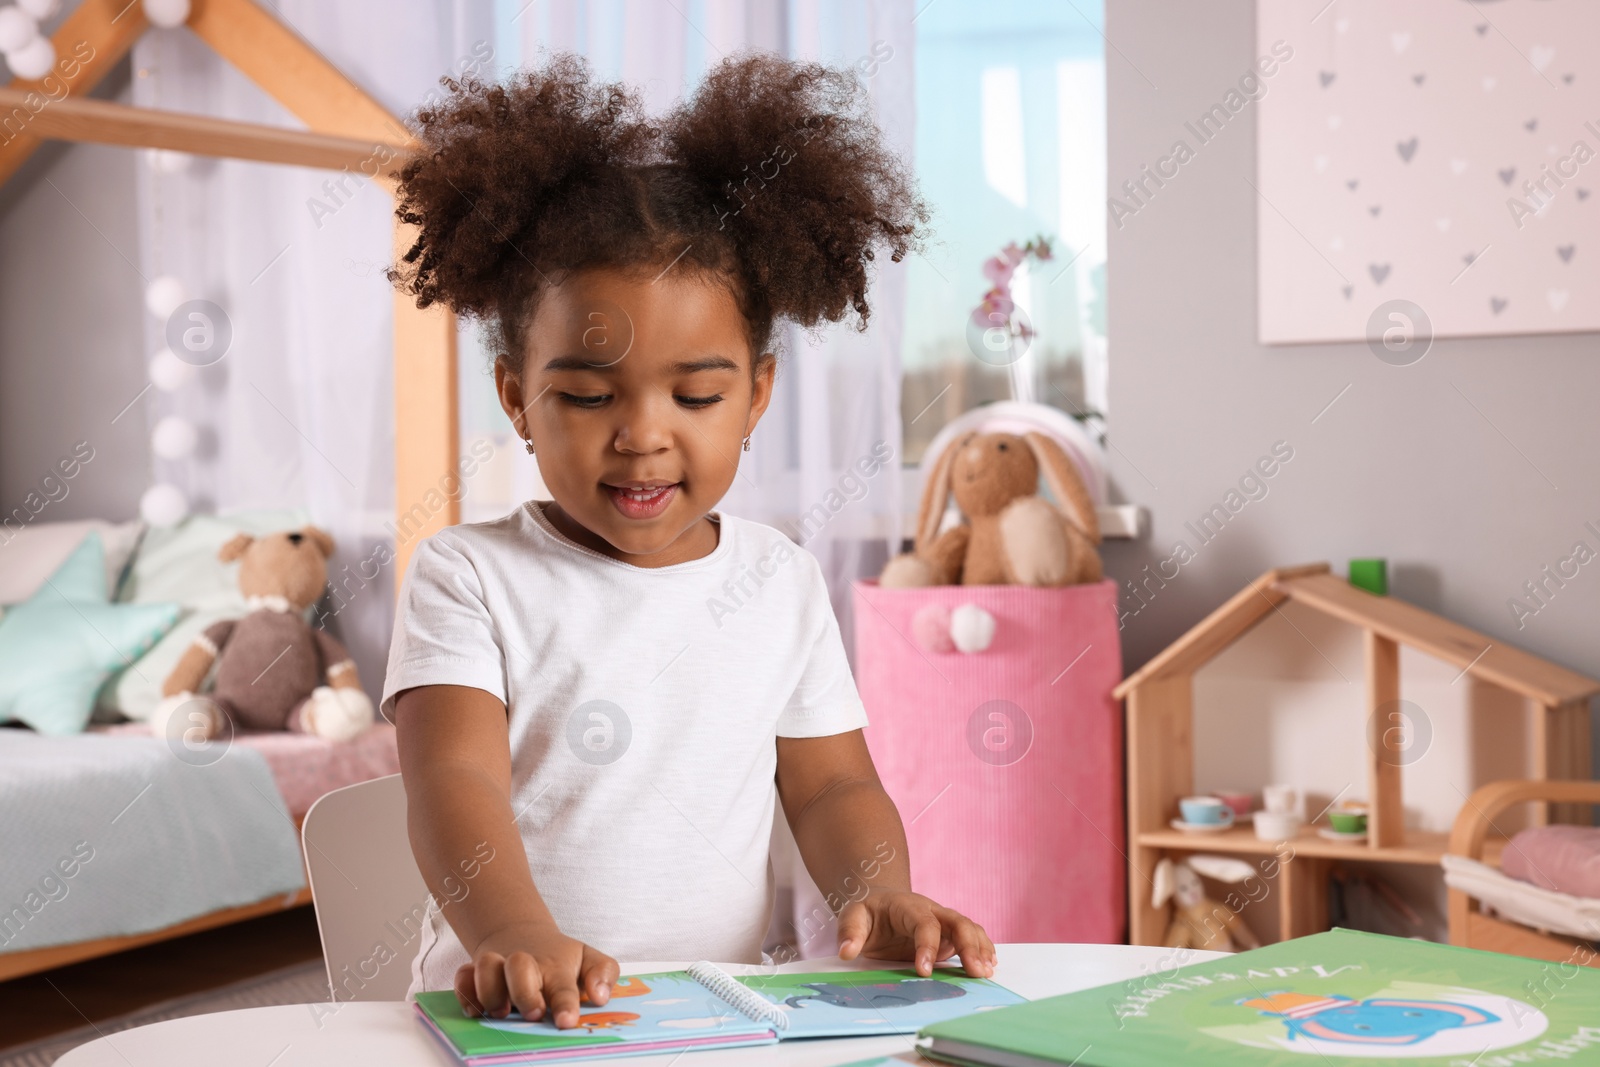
(532, 969)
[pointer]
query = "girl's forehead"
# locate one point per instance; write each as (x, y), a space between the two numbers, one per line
(633, 322)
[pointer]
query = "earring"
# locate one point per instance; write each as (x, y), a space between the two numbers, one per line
(747, 444)
(529, 443)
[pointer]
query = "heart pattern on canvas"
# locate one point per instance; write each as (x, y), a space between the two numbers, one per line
(1395, 244)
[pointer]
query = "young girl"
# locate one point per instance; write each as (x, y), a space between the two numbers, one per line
(593, 746)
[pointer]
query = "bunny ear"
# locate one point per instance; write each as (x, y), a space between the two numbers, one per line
(1066, 484)
(1222, 868)
(936, 493)
(1165, 884)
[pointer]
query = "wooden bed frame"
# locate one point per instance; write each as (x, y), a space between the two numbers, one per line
(346, 129)
(1474, 833)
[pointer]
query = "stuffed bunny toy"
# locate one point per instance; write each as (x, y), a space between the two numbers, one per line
(1197, 920)
(1011, 536)
(274, 671)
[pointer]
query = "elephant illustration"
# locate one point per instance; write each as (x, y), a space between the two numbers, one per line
(1376, 1021)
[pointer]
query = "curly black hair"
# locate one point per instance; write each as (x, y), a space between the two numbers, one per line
(771, 178)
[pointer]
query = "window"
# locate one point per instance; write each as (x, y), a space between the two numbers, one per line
(1010, 145)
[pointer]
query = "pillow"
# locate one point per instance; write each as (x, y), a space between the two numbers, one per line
(1562, 858)
(31, 554)
(58, 647)
(179, 563)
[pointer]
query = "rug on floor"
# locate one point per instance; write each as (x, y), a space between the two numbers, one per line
(304, 983)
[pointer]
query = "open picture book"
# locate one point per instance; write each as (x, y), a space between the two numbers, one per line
(706, 1007)
(1337, 999)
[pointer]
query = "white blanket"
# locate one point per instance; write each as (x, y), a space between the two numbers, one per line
(1523, 902)
(102, 836)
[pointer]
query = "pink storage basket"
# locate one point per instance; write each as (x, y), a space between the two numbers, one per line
(1006, 764)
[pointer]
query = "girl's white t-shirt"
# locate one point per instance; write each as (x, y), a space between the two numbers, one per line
(644, 707)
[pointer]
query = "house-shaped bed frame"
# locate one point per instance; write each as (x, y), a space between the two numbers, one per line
(346, 129)
(1160, 739)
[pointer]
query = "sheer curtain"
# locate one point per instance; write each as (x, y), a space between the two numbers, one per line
(835, 411)
(298, 411)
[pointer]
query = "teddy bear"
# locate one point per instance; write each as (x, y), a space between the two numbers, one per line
(1011, 536)
(274, 671)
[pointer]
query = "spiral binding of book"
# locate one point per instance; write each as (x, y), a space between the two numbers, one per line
(750, 1003)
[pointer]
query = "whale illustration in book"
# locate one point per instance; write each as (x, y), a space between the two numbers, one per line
(877, 995)
(1376, 1021)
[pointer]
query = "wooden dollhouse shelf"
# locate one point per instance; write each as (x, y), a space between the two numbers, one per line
(1418, 846)
(1160, 741)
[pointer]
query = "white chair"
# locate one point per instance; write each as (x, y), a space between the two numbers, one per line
(369, 896)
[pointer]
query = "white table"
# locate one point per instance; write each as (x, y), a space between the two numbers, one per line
(388, 1032)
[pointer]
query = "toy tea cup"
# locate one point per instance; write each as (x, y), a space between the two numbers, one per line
(1205, 811)
(1240, 801)
(1276, 825)
(1283, 800)
(1349, 817)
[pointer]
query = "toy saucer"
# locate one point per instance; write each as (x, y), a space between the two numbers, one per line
(1338, 835)
(1201, 827)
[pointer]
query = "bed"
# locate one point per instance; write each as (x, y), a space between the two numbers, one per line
(221, 845)
(114, 837)
(1488, 908)
(110, 842)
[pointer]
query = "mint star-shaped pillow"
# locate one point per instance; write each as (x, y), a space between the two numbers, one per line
(58, 648)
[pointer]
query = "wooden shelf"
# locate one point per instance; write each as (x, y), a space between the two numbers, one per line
(1160, 726)
(1417, 847)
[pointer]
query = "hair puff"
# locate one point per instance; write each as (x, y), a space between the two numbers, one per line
(771, 177)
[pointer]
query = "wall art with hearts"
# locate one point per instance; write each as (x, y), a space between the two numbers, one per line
(1443, 153)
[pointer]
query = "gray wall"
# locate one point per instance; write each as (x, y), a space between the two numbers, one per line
(71, 330)
(1466, 504)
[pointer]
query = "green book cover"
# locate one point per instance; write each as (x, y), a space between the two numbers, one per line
(1337, 999)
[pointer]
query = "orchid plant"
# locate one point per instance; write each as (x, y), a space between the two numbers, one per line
(997, 310)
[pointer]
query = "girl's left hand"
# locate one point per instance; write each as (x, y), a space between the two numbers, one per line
(896, 924)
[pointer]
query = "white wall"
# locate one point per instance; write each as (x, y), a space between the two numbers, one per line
(1469, 471)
